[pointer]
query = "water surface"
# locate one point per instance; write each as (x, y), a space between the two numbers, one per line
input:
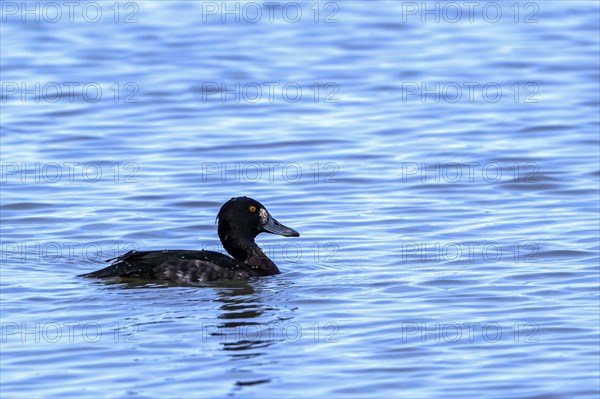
(443, 176)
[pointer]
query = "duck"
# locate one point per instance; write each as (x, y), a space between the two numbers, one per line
(239, 221)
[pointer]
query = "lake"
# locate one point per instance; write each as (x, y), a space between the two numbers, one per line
(439, 159)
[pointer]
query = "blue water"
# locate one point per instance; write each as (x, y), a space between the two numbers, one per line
(442, 171)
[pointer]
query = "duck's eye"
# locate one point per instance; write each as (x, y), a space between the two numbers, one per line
(252, 208)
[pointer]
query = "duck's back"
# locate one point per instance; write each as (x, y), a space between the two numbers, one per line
(183, 266)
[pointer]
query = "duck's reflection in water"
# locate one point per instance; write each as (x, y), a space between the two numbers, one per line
(248, 321)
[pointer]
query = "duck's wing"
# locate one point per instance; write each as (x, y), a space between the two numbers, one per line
(124, 265)
(175, 265)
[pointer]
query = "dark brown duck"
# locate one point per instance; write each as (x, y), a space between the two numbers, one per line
(240, 220)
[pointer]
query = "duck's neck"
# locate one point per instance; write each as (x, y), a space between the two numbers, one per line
(246, 251)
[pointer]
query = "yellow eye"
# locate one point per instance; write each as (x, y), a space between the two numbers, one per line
(252, 208)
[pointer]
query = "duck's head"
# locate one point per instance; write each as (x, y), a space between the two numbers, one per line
(244, 218)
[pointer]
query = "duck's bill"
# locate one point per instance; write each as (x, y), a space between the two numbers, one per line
(274, 227)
